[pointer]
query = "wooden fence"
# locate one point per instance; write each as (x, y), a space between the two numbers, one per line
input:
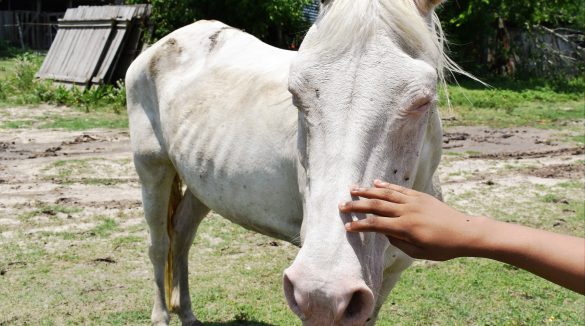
(95, 45)
(30, 29)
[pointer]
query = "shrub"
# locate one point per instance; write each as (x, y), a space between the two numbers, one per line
(21, 87)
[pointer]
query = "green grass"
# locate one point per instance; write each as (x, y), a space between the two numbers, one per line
(49, 210)
(86, 171)
(72, 122)
(87, 122)
(52, 277)
(106, 227)
(18, 87)
(478, 292)
(517, 103)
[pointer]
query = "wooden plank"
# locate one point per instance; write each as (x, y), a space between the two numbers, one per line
(113, 53)
(78, 55)
(89, 44)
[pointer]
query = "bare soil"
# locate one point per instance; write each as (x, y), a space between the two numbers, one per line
(108, 185)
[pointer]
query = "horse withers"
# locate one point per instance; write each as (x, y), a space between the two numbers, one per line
(273, 139)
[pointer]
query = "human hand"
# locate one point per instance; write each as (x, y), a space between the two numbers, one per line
(416, 223)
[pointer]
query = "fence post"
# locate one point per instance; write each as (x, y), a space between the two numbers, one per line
(19, 31)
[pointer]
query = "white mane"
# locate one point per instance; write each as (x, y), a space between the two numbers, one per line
(347, 24)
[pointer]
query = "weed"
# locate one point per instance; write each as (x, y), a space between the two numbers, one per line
(550, 198)
(49, 210)
(106, 227)
(18, 86)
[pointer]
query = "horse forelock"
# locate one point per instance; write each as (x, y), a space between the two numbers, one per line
(344, 24)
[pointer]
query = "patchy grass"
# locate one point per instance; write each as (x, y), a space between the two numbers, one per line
(479, 292)
(72, 122)
(106, 227)
(101, 274)
(236, 280)
(516, 103)
(90, 171)
(49, 210)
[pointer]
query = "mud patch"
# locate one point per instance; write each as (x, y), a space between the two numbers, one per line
(559, 171)
(532, 154)
(485, 141)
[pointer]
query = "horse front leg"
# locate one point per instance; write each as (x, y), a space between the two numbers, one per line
(185, 221)
(396, 263)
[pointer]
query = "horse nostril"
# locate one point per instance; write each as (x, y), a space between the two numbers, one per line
(355, 305)
(289, 293)
(359, 308)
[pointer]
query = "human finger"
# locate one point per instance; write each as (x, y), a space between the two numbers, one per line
(379, 193)
(374, 223)
(400, 189)
(370, 206)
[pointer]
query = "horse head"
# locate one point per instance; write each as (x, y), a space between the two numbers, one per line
(365, 85)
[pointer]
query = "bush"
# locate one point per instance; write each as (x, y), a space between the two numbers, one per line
(22, 88)
(277, 22)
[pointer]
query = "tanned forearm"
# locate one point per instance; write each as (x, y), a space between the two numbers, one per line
(426, 228)
(555, 257)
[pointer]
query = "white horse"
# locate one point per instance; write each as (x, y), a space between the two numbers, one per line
(273, 140)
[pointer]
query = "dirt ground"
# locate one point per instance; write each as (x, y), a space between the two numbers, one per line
(93, 169)
(76, 182)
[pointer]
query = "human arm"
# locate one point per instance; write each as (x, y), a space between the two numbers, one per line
(425, 228)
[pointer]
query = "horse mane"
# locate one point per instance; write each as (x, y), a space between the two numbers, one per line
(347, 24)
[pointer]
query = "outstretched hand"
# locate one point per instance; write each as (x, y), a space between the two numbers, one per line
(423, 227)
(418, 224)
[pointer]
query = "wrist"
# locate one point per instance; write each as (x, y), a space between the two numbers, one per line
(478, 242)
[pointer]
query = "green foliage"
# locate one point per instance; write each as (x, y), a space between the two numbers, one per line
(278, 22)
(484, 14)
(20, 87)
(479, 30)
(8, 51)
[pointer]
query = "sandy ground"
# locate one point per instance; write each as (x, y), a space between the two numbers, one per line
(93, 169)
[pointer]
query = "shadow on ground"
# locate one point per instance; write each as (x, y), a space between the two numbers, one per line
(238, 323)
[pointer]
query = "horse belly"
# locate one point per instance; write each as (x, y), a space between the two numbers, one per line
(241, 163)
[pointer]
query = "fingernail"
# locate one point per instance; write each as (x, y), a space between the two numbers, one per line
(342, 204)
(354, 188)
(382, 183)
(348, 226)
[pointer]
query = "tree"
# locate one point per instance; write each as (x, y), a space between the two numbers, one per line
(480, 29)
(277, 22)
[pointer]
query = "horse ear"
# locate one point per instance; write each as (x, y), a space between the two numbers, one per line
(427, 6)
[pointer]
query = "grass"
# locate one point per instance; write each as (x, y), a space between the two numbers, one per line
(507, 103)
(520, 103)
(75, 122)
(49, 210)
(237, 281)
(90, 171)
(62, 277)
(19, 87)
(106, 227)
